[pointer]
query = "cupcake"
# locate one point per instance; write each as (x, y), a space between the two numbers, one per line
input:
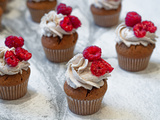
(86, 83)
(59, 34)
(135, 42)
(3, 4)
(106, 12)
(38, 8)
(1, 13)
(14, 69)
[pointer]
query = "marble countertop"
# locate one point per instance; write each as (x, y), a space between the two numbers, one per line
(134, 96)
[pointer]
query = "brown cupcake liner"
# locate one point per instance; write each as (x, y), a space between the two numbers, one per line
(13, 92)
(62, 55)
(3, 5)
(84, 107)
(133, 64)
(106, 20)
(38, 14)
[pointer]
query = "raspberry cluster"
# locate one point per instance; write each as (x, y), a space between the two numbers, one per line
(63, 9)
(140, 27)
(99, 66)
(13, 57)
(69, 22)
(14, 41)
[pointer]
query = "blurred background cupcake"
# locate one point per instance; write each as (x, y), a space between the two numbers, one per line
(106, 12)
(1, 13)
(14, 69)
(59, 34)
(38, 8)
(86, 83)
(135, 42)
(3, 4)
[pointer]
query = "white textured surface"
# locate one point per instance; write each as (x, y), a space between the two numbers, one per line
(134, 96)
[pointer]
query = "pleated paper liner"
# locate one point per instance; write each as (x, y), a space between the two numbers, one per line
(13, 92)
(84, 107)
(133, 64)
(106, 20)
(62, 55)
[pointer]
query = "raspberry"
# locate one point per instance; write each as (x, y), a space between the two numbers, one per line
(98, 68)
(14, 41)
(23, 54)
(92, 53)
(139, 30)
(75, 21)
(66, 24)
(63, 9)
(11, 59)
(108, 66)
(132, 19)
(149, 26)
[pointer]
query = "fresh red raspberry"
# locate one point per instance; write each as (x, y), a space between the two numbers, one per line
(108, 66)
(92, 53)
(23, 54)
(9, 53)
(149, 26)
(14, 41)
(11, 59)
(66, 24)
(132, 19)
(98, 68)
(63, 9)
(75, 21)
(139, 30)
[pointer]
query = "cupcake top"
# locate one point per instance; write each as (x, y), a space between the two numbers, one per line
(59, 23)
(88, 70)
(13, 58)
(135, 31)
(107, 4)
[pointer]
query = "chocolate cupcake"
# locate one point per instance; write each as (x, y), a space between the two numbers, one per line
(86, 83)
(3, 4)
(135, 42)
(14, 69)
(59, 34)
(1, 13)
(38, 8)
(106, 12)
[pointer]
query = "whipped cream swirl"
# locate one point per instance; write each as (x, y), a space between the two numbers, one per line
(107, 4)
(7, 70)
(78, 74)
(50, 24)
(126, 35)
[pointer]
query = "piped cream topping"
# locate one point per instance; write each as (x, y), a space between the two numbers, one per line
(126, 35)
(7, 70)
(78, 74)
(107, 4)
(50, 25)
